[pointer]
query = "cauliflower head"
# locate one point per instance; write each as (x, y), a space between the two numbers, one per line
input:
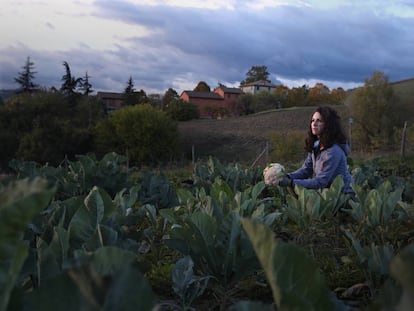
(272, 173)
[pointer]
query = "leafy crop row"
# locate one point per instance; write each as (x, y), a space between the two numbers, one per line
(94, 235)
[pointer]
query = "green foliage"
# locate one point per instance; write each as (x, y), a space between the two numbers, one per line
(294, 277)
(216, 112)
(26, 77)
(202, 86)
(169, 95)
(74, 178)
(256, 73)
(287, 147)
(375, 259)
(20, 202)
(44, 127)
(185, 284)
(244, 105)
(180, 110)
(263, 101)
(375, 207)
(373, 113)
(100, 240)
(157, 190)
(146, 134)
(69, 84)
(209, 230)
(235, 175)
(298, 96)
(218, 247)
(121, 287)
(132, 97)
(85, 86)
(309, 205)
(402, 269)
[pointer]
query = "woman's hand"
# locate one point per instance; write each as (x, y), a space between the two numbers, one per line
(286, 182)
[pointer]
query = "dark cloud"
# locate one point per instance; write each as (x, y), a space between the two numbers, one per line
(190, 45)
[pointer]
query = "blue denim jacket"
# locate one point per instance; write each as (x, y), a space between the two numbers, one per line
(321, 167)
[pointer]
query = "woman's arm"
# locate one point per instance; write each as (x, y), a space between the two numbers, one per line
(306, 171)
(325, 169)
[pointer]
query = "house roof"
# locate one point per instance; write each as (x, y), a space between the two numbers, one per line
(259, 83)
(206, 95)
(111, 95)
(231, 90)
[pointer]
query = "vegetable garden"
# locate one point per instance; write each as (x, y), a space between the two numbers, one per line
(93, 235)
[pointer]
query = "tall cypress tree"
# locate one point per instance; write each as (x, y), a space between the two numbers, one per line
(26, 77)
(85, 85)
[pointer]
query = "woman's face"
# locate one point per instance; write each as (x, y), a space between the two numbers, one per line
(317, 124)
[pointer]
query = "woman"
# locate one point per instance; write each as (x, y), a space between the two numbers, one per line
(327, 149)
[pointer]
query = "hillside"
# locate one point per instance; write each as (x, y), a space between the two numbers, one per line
(404, 91)
(243, 138)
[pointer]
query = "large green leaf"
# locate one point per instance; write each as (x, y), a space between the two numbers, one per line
(251, 306)
(109, 280)
(402, 269)
(20, 202)
(130, 291)
(86, 219)
(52, 258)
(294, 277)
(109, 260)
(185, 284)
(85, 290)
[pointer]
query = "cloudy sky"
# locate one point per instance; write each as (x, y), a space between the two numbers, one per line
(175, 44)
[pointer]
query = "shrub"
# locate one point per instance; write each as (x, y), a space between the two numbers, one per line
(146, 134)
(182, 111)
(287, 147)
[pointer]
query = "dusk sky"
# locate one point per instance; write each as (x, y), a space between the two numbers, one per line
(175, 44)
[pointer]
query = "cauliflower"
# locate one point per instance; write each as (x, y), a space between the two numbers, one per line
(272, 173)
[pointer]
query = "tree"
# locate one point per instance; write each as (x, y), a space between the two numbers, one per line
(131, 97)
(182, 111)
(244, 105)
(26, 77)
(146, 134)
(202, 87)
(256, 73)
(281, 94)
(70, 83)
(337, 96)
(264, 101)
(130, 86)
(371, 108)
(169, 95)
(45, 127)
(298, 96)
(318, 95)
(141, 97)
(85, 86)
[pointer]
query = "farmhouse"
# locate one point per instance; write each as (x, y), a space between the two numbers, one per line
(257, 86)
(112, 101)
(222, 101)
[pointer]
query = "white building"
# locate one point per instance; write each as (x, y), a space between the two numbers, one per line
(257, 86)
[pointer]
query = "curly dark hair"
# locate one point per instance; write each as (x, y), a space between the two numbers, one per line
(332, 133)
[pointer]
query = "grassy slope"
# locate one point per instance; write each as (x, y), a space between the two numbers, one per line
(242, 139)
(404, 91)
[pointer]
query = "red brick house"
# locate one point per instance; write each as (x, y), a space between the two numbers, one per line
(222, 101)
(112, 101)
